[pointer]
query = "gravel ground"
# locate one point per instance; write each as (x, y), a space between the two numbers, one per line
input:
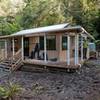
(81, 85)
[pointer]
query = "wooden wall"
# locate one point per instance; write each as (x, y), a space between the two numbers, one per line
(60, 54)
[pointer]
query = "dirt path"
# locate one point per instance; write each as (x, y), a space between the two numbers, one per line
(82, 85)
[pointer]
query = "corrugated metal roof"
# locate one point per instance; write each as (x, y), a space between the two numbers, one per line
(49, 29)
(41, 29)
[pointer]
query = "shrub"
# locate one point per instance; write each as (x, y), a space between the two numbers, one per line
(38, 89)
(8, 93)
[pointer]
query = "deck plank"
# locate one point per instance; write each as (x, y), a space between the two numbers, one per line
(51, 64)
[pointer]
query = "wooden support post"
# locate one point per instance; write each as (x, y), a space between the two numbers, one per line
(76, 49)
(59, 41)
(87, 53)
(81, 48)
(22, 48)
(45, 49)
(5, 48)
(68, 50)
(13, 46)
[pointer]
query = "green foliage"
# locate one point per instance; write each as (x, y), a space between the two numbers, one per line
(87, 63)
(9, 92)
(38, 89)
(36, 13)
(8, 25)
(97, 42)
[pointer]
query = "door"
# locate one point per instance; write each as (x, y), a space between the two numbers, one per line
(26, 47)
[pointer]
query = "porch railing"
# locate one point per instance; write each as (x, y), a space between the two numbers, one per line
(2, 54)
(14, 62)
(17, 60)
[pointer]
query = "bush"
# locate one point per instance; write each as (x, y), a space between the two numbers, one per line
(8, 93)
(38, 89)
(97, 45)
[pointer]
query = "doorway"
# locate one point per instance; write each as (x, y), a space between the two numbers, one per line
(26, 47)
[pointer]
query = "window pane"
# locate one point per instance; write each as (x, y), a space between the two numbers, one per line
(2, 44)
(41, 42)
(64, 42)
(51, 42)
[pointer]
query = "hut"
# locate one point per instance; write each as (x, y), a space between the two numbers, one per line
(58, 46)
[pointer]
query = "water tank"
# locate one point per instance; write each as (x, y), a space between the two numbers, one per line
(92, 47)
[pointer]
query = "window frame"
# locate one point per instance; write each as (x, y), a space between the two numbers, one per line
(64, 48)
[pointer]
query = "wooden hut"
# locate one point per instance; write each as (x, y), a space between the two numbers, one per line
(55, 46)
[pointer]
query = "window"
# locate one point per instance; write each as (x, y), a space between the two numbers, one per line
(64, 42)
(26, 43)
(51, 42)
(41, 39)
(2, 44)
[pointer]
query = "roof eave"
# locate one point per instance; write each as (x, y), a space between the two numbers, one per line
(5, 36)
(70, 29)
(88, 34)
(77, 29)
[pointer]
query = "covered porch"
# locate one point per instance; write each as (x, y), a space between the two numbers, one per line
(66, 53)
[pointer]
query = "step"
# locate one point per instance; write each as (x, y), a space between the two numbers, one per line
(4, 68)
(6, 64)
(4, 72)
(7, 61)
(16, 67)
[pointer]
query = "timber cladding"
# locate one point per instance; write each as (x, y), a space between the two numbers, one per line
(58, 53)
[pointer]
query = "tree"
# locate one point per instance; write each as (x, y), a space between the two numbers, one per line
(36, 13)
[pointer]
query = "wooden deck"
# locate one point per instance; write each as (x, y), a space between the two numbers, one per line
(51, 64)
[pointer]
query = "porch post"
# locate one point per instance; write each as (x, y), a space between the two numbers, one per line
(88, 51)
(76, 49)
(68, 50)
(45, 49)
(22, 47)
(5, 48)
(81, 48)
(13, 46)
